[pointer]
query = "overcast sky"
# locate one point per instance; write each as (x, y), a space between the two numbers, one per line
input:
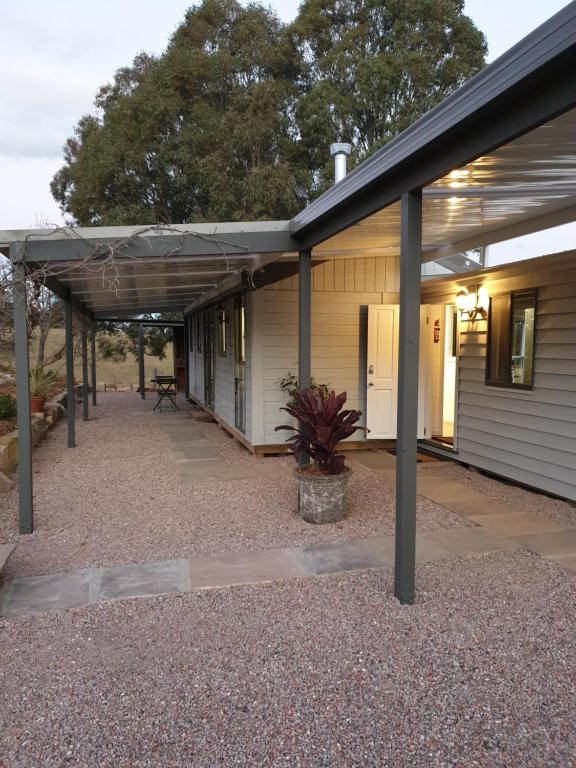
(56, 54)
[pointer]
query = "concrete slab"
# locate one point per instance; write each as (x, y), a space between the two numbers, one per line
(514, 523)
(345, 556)
(195, 452)
(558, 543)
(5, 552)
(245, 568)
(427, 551)
(451, 494)
(374, 460)
(34, 594)
(463, 542)
(140, 580)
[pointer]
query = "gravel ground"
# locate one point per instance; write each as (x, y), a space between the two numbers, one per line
(326, 672)
(117, 498)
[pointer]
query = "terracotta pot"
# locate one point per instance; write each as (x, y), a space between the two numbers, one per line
(322, 497)
(37, 404)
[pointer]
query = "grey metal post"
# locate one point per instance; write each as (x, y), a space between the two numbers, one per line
(304, 318)
(85, 384)
(70, 401)
(26, 502)
(407, 429)
(304, 325)
(141, 380)
(93, 361)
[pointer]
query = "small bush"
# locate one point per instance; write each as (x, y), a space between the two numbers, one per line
(7, 407)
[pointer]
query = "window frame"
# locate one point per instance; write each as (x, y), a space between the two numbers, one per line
(498, 383)
(221, 331)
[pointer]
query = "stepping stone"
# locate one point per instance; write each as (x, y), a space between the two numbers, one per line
(245, 568)
(463, 542)
(553, 544)
(374, 460)
(196, 452)
(514, 523)
(5, 552)
(34, 594)
(452, 494)
(347, 556)
(143, 580)
(427, 551)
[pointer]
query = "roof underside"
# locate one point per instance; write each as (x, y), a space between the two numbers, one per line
(522, 187)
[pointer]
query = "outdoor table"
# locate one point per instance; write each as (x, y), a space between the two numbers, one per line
(166, 391)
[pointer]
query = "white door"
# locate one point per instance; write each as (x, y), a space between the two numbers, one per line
(382, 361)
(382, 376)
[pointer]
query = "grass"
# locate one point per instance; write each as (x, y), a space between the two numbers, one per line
(107, 371)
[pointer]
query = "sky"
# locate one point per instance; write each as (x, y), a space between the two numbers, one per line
(55, 55)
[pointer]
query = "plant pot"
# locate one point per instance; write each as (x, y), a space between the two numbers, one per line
(37, 404)
(322, 497)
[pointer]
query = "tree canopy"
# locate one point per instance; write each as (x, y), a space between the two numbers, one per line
(233, 121)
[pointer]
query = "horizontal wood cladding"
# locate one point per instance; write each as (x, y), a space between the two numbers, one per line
(342, 289)
(528, 436)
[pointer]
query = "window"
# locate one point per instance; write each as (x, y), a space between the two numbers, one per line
(191, 334)
(222, 321)
(198, 334)
(511, 331)
(240, 328)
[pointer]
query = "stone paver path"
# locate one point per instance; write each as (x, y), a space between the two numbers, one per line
(72, 589)
(198, 459)
(545, 537)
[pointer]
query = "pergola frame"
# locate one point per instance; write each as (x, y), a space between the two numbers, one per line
(530, 85)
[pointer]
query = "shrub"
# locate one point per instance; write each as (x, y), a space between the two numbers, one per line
(7, 408)
(322, 425)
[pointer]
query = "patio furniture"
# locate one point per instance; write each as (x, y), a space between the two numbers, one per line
(166, 391)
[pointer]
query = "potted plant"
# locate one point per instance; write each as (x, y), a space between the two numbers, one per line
(41, 382)
(321, 425)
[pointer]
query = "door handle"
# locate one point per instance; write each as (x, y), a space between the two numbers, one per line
(370, 383)
(370, 369)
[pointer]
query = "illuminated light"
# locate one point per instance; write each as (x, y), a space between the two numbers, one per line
(459, 173)
(473, 303)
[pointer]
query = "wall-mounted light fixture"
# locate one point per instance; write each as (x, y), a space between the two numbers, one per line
(473, 302)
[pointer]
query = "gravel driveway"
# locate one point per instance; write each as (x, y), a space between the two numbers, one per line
(328, 672)
(117, 498)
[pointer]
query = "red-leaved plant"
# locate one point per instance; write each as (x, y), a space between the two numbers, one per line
(322, 424)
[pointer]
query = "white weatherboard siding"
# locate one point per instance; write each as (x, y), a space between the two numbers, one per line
(224, 368)
(527, 436)
(341, 292)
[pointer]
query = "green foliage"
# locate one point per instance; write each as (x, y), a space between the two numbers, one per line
(374, 67)
(7, 408)
(234, 120)
(42, 380)
(112, 346)
(117, 340)
(289, 385)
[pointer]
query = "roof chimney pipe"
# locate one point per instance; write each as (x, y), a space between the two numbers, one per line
(340, 151)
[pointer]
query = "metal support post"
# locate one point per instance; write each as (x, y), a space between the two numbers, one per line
(304, 324)
(70, 401)
(85, 384)
(408, 361)
(93, 361)
(141, 380)
(26, 501)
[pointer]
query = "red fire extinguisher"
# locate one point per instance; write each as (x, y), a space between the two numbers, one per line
(436, 331)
